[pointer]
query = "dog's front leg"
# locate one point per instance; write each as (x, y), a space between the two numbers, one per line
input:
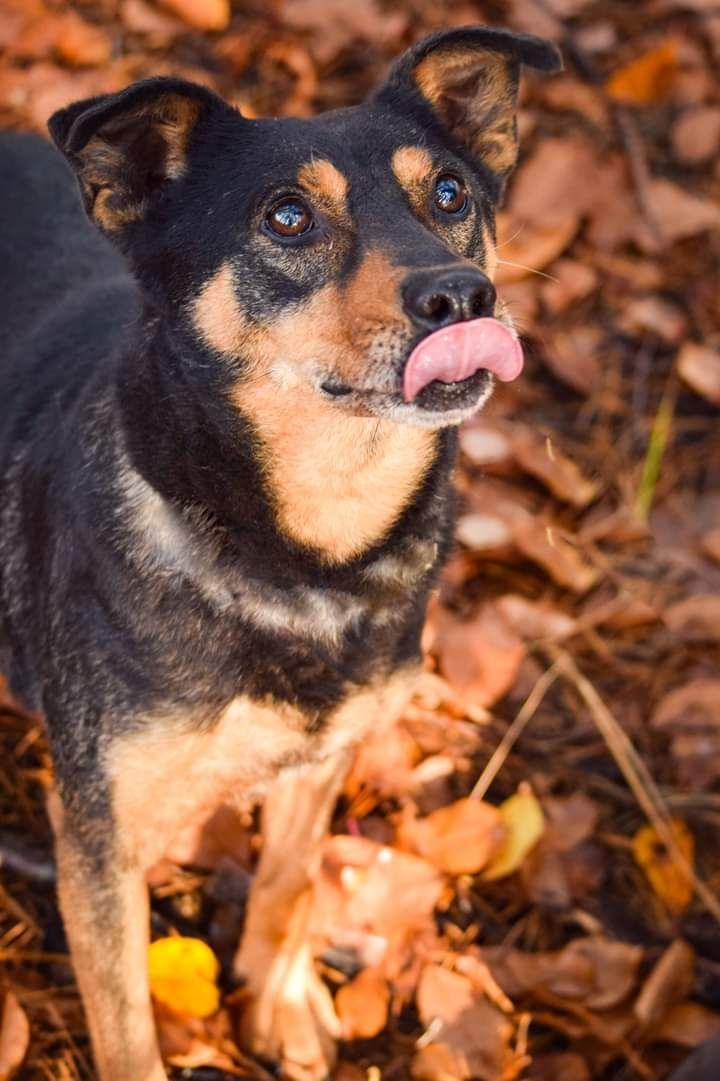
(105, 908)
(290, 1018)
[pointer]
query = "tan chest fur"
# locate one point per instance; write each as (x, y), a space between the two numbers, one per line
(166, 777)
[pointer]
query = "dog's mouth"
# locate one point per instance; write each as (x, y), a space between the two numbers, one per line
(446, 377)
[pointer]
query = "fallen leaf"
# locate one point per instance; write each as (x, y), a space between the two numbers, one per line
(535, 620)
(480, 657)
(555, 184)
(594, 970)
(362, 1005)
(458, 839)
(696, 619)
(530, 246)
(693, 705)
(547, 463)
(647, 78)
(183, 975)
(688, 1024)
(695, 135)
(556, 555)
(483, 532)
(670, 981)
(524, 822)
(14, 1036)
(466, 1023)
(669, 879)
(571, 281)
(710, 544)
(201, 14)
(142, 18)
(561, 1066)
(572, 357)
(335, 24)
(699, 367)
(679, 213)
(652, 315)
(79, 44)
(485, 444)
(438, 1062)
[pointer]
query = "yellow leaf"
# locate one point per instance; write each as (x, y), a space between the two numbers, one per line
(524, 821)
(668, 877)
(648, 78)
(183, 975)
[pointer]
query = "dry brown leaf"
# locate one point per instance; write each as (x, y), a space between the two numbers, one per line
(14, 1037)
(688, 1024)
(201, 14)
(547, 463)
(480, 657)
(555, 184)
(466, 1023)
(530, 247)
(335, 24)
(485, 443)
(647, 78)
(80, 44)
(556, 555)
(696, 134)
(699, 366)
(669, 982)
(693, 705)
(710, 544)
(535, 620)
(571, 282)
(671, 880)
(562, 1066)
(362, 1005)
(458, 839)
(679, 213)
(524, 823)
(572, 357)
(595, 971)
(696, 619)
(438, 1062)
(652, 315)
(141, 17)
(483, 532)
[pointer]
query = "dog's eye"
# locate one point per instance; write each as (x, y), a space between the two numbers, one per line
(288, 218)
(450, 194)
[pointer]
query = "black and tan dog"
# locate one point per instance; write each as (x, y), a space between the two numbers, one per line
(225, 466)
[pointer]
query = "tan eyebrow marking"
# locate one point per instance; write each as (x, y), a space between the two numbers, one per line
(412, 165)
(325, 181)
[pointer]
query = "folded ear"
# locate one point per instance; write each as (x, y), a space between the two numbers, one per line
(469, 77)
(125, 146)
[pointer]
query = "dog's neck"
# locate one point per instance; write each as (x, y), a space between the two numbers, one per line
(299, 485)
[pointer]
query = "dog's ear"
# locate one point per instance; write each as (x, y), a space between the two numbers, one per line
(124, 147)
(469, 78)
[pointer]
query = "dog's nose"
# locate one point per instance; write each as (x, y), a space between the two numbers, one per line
(436, 298)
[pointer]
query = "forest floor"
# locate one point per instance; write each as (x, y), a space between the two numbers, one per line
(523, 879)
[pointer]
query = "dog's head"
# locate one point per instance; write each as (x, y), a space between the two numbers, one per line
(313, 260)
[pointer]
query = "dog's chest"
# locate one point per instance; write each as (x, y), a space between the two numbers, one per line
(165, 777)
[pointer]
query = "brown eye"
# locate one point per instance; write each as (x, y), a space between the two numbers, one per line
(450, 194)
(289, 218)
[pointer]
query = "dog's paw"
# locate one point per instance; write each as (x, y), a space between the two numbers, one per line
(291, 1021)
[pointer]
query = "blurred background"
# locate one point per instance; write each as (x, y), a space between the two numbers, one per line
(523, 877)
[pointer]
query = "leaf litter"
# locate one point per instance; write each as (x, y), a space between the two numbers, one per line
(522, 878)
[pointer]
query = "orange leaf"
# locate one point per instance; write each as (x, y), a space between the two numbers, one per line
(459, 838)
(362, 1005)
(14, 1037)
(646, 79)
(669, 879)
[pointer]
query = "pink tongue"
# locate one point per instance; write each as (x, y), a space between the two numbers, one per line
(458, 351)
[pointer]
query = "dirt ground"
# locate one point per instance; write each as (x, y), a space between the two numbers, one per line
(524, 877)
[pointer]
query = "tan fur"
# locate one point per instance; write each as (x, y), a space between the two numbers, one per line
(109, 941)
(171, 775)
(412, 166)
(325, 181)
(339, 482)
(487, 122)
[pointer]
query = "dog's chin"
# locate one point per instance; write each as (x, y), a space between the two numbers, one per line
(438, 405)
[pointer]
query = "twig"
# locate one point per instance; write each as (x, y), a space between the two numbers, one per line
(635, 772)
(526, 713)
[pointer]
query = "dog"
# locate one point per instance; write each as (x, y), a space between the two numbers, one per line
(233, 367)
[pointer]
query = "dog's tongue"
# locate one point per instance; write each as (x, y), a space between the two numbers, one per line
(458, 351)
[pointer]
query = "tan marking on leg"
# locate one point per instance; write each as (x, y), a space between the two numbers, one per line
(106, 916)
(324, 180)
(412, 166)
